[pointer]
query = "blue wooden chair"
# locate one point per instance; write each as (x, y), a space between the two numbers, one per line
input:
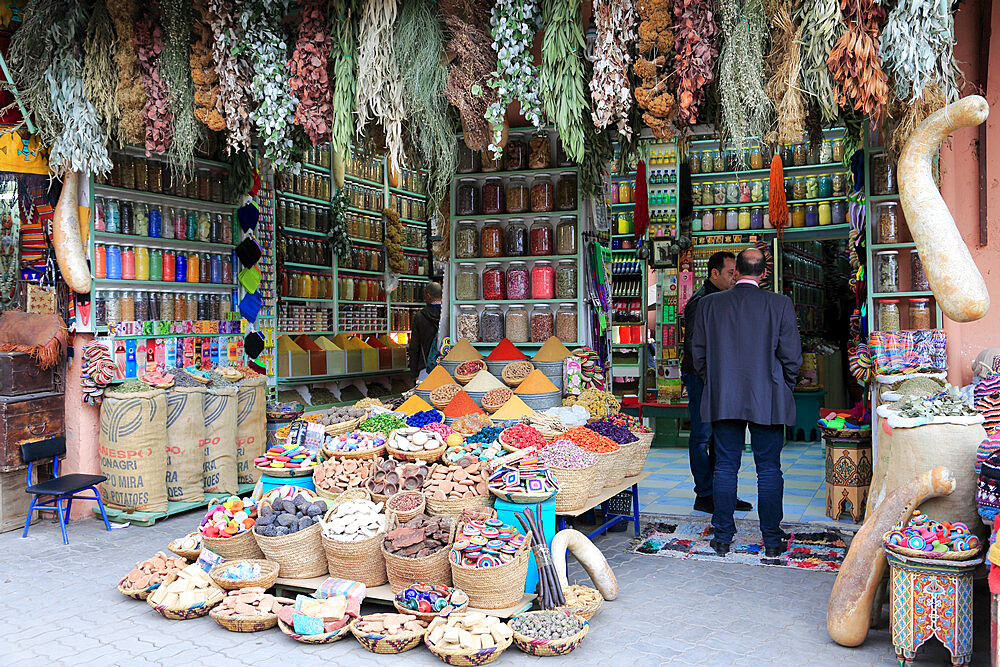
(59, 488)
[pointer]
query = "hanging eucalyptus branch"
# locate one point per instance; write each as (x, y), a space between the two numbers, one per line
(32, 50)
(745, 105)
(343, 68)
(379, 88)
(175, 65)
(562, 79)
(233, 70)
(514, 23)
(822, 25)
(100, 74)
(419, 43)
(916, 48)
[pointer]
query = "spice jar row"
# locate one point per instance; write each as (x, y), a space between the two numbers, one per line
(304, 250)
(887, 272)
(362, 259)
(519, 324)
(400, 318)
(123, 262)
(361, 317)
(318, 155)
(114, 306)
(306, 285)
(542, 280)
(298, 215)
(364, 227)
(368, 169)
(752, 217)
(364, 196)
(301, 317)
(531, 152)
(409, 291)
(798, 154)
(306, 183)
(155, 176)
(360, 289)
(407, 207)
(513, 238)
(918, 313)
(413, 181)
(516, 194)
(121, 216)
(718, 193)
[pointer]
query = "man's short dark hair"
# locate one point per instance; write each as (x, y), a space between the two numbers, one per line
(432, 292)
(717, 262)
(751, 262)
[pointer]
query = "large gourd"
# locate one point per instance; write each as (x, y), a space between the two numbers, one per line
(958, 287)
(66, 237)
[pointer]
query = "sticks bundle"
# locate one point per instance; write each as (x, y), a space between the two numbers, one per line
(550, 593)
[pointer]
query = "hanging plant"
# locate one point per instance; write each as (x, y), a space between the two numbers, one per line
(32, 50)
(785, 68)
(240, 178)
(130, 94)
(656, 40)
(514, 23)
(175, 65)
(203, 75)
(822, 25)
(274, 110)
(157, 121)
(340, 242)
(561, 76)
(309, 81)
(744, 104)
(419, 43)
(609, 85)
(343, 65)
(100, 74)
(394, 258)
(916, 49)
(904, 116)
(379, 88)
(695, 54)
(473, 61)
(854, 62)
(598, 150)
(233, 101)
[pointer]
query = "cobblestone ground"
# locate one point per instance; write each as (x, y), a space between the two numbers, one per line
(59, 605)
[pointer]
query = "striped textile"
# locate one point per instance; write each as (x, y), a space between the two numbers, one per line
(908, 351)
(987, 401)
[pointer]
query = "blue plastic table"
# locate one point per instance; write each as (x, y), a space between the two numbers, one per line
(601, 499)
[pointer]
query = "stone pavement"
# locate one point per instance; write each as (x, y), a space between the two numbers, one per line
(59, 605)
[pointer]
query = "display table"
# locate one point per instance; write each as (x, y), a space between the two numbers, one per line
(383, 595)
(674, 413)
(140, 518)
(611, 518)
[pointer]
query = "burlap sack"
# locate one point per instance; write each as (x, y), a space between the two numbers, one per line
(132, 450)
(251, 427)
(905, 453)
(185, 436)
(219, 473)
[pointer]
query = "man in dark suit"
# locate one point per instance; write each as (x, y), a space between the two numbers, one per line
(747, 350)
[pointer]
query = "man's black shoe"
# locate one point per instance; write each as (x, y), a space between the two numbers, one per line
(721, 548)
(704, 504)
(743, 506)
(774, 552)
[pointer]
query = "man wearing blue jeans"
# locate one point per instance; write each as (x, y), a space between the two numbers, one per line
(721, 267)
(746, 348)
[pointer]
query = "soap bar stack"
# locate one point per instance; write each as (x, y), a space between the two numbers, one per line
(413, 439)
(355, 520)
(454, 482)
(250, 601)
(470, 631)
(185, 589)
(355, 441)
(339, 475)
(387, 624)
(280, 457)
(152, 571)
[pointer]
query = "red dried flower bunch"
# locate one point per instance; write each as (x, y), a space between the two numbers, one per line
(147, 35)
(309, 81)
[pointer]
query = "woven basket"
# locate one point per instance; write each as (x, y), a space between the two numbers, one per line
(425, 616)
(464, 378)
(403, 571)
(298, 555)
(325, 638)
(511, 381)
(245, 623)
(604, 463)
(364, 454)
(453, 508)
(917, 553)
(464, 657)
(268, 575)
(429, 456)
(358, 561)
(543, 647)
(387, 645)
(437, 402)
(494, 587)
(136, 594)
(186, 613)
(639, 452)
(586, 612)
(189, 555)
(403, 517)
(575, 485)
(342, 427)
(623, 458)
(239, 546)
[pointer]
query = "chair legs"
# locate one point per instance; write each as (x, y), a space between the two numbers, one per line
(31, 513)
(62, 519)
(104, 515)
(64, 513)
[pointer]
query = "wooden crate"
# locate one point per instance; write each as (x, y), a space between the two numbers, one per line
(19, 375)
(13, 500)
(27, 418)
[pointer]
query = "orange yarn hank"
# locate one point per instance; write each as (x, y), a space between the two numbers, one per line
(777, 207)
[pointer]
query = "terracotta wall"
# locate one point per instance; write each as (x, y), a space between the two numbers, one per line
(82, 425)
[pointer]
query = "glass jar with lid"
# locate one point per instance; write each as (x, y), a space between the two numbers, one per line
(826, 152)
(756, 158)
(467, 201)
(491, 239)
(694, 161)
(825, 213)
(798, 216)
(542, 195)
(918, 277)
(566, 323)
(757, 217)
(515, 238)
(732, 192)
(757, 190)
(883, 176)
(493, 197)
(732, 219)
(886, 215)
(515, 155)
(812, 187)
(566, 191)
(466, 283)
(812, 215)
(491, 163)
(719, 193)
(518, 195)
(836, 150)
(744, 218)
(467, 323)
(707, 164)
(468, 159)
(543, 280)
(494, 283)
(888, 315)
(706, 222)
(824, 186)
(516, 324)
(799, 188)
(566, 279)
(541, 237)
(887, 271)
(718, 160)
(541, 324)
(517, 281)
(919, 313)
(491, 325)
(838, 212)
(708, 193)
(566, 235)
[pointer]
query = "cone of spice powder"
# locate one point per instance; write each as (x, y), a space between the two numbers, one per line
(536, 383)
(462, 405)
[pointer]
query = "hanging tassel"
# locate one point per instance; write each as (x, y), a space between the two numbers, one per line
(640, 216)
(777, 207)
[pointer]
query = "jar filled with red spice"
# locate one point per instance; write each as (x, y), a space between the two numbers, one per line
(494, 283)
(543, 281)
(541, 237)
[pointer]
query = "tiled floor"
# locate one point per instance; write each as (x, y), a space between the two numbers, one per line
(670, 489)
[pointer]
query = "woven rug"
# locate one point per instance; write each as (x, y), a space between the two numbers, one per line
(810, 548)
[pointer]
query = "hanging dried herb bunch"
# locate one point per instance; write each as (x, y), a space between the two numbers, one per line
(309, 81)
(175, 64)
(822, 24)
(231, 66)
(695, 54)
(340, 242)
(203, 75)
(32, 49)
(656, 40)
(100, 74)
(419, 44)
(130, 94)
(904, 116)
(854, 61)
(744, 104)
(562, 73)
(598, 151)
(784, 65)
(609, 86)
(514, 23)
(379, 88)
(916, 48)
(343, 67)
(394, 258)
(470, 50)
(157, 122)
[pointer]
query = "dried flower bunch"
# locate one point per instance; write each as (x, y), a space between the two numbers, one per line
(916, 48)
(309, 81)
(130, 95)
(233, 102)
(784, 65)
(473, 60)
(695, 54)
(343, 67)
(206, 81)
(562, 75)
(822, 25)
(514, 23)
(157, 121)
(379, 87)
(656, 40)
(745, 105)
(609, 86)
(903, 116)
(854, 61)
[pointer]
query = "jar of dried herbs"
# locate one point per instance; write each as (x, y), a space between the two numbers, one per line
(566, 323)
(515, 155)
(883, 175)
(541, 324)
(467, 323)
(516, 324)
(466, 283)
(888, 315)
(919, 313)
(540, 155)
(491, 325)
(888, 224)
(566, 279)
(887, 271)
(918, 277)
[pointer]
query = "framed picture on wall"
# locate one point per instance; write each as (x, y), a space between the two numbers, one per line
(660, 256)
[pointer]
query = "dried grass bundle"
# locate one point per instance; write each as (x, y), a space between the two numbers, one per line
(745, 105)
(822, 24)
(905, 116)
(380, 88)
(343, 69)
(473, 60)
(233, 70)
(784, 64)
(175, 64)
(203, 74)
(100, 73)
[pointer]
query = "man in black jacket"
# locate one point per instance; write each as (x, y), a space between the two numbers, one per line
(746, 348)
(424, 330)
(721, 267)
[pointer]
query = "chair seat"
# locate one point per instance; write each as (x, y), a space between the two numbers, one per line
(66, 484)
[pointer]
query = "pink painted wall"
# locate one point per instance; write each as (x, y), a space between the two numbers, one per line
(82, 427)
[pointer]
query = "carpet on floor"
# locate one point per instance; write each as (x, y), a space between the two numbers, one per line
(810, 547)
